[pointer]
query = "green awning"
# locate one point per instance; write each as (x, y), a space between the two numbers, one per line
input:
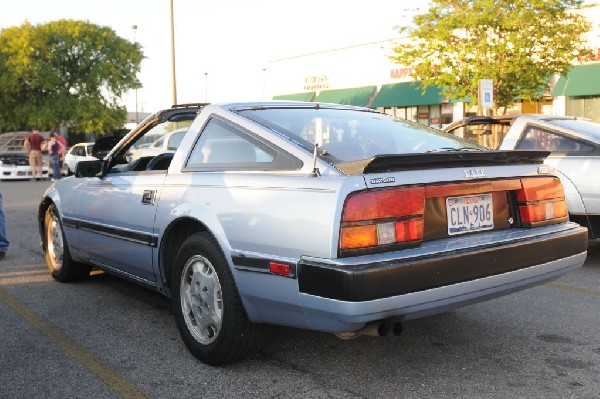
(305, 96)
(581, 80)
(353, 96)
(407, 94)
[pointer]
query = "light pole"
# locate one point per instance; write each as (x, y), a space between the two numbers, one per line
(264, 76)
(134, 28)
(206, 87)
(173, 81)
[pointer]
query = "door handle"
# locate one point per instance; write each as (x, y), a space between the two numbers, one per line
(148, 197)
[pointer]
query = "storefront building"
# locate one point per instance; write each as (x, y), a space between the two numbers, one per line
(578, 93)
(364, 75)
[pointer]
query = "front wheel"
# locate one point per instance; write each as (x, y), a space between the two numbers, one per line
(209, 314)
(58, 259)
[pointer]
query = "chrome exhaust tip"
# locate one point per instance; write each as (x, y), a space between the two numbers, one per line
(373, 329)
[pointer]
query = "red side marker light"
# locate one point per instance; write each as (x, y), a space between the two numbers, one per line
(279, 268)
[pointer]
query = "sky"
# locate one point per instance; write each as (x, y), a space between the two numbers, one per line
(222, 47)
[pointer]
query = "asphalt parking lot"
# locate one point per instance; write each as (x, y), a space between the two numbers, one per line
(108, 338)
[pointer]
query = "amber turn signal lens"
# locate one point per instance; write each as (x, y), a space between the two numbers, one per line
(541, 200)
(358, 236)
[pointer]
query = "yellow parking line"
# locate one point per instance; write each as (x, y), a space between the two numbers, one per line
(25, 279)
(22, 277)
(111, 378)
(25, 273)
(587, 291)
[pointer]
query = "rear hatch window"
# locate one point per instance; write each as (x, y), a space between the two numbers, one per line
(346, 135)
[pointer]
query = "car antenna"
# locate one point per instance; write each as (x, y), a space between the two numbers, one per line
(315, 172)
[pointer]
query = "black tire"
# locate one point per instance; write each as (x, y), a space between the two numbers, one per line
(58, 258)
(209, 313)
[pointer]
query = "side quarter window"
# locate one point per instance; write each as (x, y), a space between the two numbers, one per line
(223, 147)
(542, 139)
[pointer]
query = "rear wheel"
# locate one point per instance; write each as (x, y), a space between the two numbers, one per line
(209, 314)
(58, 259)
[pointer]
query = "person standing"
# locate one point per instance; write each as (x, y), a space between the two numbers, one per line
(63, 149)
(3, 236)
(54, 151)
(33, 145)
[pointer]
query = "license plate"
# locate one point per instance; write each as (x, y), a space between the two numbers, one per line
(469, 214)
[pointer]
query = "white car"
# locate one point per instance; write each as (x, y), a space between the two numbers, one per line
(574, 145)
(79, 152)
(168, 142)
(15, 166)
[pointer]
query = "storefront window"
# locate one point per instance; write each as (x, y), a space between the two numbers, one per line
(586, 107)
(435, 118)
(411, 113)
(592, 108)
(447, 114)
(389, 111)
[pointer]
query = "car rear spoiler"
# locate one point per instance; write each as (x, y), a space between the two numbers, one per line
(447, 159)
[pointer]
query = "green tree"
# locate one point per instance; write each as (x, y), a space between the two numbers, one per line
(65, 72)
(519, 44)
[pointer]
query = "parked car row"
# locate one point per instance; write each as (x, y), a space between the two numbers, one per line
(574, 145)
(75, 154)
(309, 215)
(15, 166)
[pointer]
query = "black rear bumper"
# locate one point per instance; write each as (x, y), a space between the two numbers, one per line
(376, 280)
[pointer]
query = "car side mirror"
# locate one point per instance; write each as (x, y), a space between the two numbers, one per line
(88, 168)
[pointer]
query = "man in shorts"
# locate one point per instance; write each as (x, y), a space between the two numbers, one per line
(33, 145)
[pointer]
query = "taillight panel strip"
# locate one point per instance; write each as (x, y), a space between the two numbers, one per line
(459, 189)
(382, 219)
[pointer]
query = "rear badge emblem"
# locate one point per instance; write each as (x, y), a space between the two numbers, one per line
(474, 173)
(543, 170)
(382, 180)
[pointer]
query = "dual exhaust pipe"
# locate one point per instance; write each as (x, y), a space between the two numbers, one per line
(374, 329)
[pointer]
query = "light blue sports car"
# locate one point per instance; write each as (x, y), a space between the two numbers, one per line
(316, 216)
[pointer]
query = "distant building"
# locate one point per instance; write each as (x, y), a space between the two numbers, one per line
(363, 75)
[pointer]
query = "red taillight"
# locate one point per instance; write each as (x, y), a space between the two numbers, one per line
(383, 204)
(279, 268)
(383, 217)
(409, 230)
(386, 219)
(541, 200)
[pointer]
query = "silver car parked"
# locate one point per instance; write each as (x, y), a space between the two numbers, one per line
(316, 216)
(574, 145)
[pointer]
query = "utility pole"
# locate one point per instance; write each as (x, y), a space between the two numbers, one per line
(264, 82)
(173, 81)
(206, 87)
(134, 28)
